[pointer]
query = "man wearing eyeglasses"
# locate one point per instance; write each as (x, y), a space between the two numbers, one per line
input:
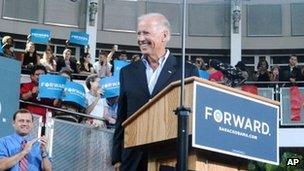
(29, 91)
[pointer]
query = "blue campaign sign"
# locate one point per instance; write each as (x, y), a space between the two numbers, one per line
(235, 124)
(110, 86)
(40, 36)
(80, 38)
(74, 92)
(118, 64)
(51, 86)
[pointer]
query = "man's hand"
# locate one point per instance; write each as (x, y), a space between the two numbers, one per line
(35, 90)
(43, 143)
(27, 148)
(117, 166)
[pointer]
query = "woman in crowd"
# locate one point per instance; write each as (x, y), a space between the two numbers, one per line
(275, 73)
(97, 106)
(262, 73)
(85, 66)
(67, 62)
(215, 75)
(48, 60)
(30, 58)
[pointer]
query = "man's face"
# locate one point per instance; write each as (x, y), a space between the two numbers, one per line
(151, 37)
(123, 57)
(35, 77)
(23, 123)
(293, 61)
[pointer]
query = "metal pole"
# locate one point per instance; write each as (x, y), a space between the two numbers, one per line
(183, 112)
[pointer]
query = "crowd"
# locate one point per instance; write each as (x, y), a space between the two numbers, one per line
(67, 66)
(140, 81)
(292, 73)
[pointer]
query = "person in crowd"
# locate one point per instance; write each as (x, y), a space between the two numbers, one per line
(30, 58)
(19, 151)
(29, 91)
(142, 80)
(123, 56)
(292, 73)
(215, 75)
(135, 58)
(66, 72)
(200, 64)
(113, 106)
(103, 67)
(48, 60)
(262, 73)
(97, 106)
(67, 62)
(242, 67)
(275, 73)
(8, 47)
(85, 66)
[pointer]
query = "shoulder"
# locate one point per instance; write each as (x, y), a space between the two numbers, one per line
(6, 139)
(132, 66)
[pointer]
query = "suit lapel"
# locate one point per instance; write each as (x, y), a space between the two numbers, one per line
(166, 73)
(140, 74)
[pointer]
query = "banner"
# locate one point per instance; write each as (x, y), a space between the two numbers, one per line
(118, 64)
(9, 96)
(80, 38)
(40, 36)
(74, 92)
(51, 86)
(235, 124)
(110, 86)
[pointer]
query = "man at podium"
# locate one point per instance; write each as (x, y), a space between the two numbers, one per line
(142, 80)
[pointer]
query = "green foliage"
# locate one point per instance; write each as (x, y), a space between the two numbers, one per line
(259, 166)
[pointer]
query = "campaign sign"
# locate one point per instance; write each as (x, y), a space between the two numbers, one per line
(80, 38)
(118, 64)
(110, 86)
(235, 124)
(51, 86)
(74, 92)
(40, 36)
(1, 48)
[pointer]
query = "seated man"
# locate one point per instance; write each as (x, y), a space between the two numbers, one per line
(21, 152)
(29, 91)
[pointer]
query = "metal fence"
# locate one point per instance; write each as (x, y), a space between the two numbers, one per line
(79, 147)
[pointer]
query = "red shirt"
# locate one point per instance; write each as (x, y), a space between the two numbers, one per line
(25, 88)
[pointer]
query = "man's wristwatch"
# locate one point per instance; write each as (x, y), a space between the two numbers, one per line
(44, 154)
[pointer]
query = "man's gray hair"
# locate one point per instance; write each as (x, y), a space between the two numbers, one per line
(163, 20)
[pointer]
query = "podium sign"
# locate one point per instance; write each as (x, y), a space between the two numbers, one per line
(234, 124)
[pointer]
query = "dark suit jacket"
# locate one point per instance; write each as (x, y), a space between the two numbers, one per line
(134, 93)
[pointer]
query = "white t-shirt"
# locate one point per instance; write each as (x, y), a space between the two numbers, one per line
(102, 70)
(99, 108)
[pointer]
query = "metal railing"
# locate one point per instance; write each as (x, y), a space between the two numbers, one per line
(74, 146)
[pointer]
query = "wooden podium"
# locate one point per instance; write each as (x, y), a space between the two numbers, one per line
(154, 128)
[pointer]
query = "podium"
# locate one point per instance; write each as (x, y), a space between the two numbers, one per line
(154, 128)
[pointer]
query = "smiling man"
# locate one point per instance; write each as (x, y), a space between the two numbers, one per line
(142, 80)
(20, 152)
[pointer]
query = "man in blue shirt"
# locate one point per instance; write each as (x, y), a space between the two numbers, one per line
(19, 152)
